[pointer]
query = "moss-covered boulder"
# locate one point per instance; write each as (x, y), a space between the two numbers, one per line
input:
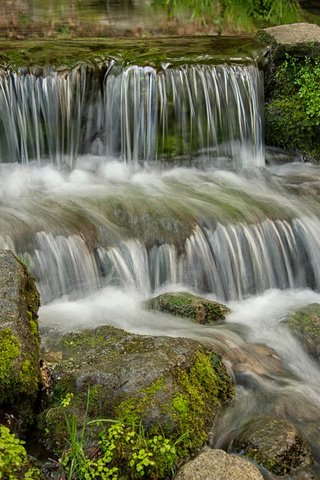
(218, 465)
(305, 325)
(19, 338)
(185, 304)
(275, 444)
(170, 386)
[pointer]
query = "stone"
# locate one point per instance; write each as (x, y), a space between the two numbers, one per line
(218, 465)
(296, 38)
(184, 304)
(256, 358)
(20, 375)
(174, 386)
(305, 326)
(276, 444)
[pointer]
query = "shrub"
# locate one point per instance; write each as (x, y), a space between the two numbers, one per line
(293, 112)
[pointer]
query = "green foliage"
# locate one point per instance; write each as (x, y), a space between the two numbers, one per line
(124, 451)
(240, 13)
(293, 114)
(14, 464)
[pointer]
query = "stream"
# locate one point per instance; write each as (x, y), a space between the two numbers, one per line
(155, 180)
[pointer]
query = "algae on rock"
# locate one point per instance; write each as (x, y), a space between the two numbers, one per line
(169, 386)
(274, 443)
(19, 338)
(305, 325)
(185, 304)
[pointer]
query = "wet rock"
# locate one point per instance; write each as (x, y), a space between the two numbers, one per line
(185, 304)
(255, 358)
(171, 385)
(19, 339)
(275, 444)
(218, 465)
(305, 325)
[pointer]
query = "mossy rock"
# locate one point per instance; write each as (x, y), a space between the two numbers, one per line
(305, 325)
(19, 338)
(170, 386)
(185, 304)
(275, 444)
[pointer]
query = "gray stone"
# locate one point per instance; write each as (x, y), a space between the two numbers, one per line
(19, 338)
(140, 379)
(218, 465)
(275, 444)
(293, 35)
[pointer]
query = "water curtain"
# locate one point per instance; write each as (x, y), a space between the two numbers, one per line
(136, 114)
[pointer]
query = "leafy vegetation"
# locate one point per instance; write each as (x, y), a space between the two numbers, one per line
(293, 112)
(123, 451)
(14, 463)
(88, 17)
(245, 14)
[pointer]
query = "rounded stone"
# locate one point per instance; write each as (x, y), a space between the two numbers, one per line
(218, 465)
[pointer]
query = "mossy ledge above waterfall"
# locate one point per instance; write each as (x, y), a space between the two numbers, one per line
(172, 387)
(184, 304)
(128, 51)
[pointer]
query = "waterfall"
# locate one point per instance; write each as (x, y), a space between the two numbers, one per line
(231, 261)
(138, 114)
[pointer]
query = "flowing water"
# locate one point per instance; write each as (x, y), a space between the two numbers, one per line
(118, 186)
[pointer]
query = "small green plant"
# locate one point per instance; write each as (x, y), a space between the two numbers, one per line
(123, 451)
(14, 464)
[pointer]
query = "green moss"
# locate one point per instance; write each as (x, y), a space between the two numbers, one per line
(133, 409)
(151, 51)
(187, 305)
(29, 378)
(9, 353)
(202, 389)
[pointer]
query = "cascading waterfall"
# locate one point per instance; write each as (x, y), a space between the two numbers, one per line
(232, 262)
(101, 195)
(138, 115)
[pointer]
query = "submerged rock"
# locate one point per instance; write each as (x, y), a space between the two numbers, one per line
(19, 339)
(185, 304)
(172, 386)
(275, 444)
(218, 465)
(305, 325)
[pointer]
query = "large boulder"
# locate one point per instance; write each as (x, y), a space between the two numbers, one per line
(218, 465)
(305, 325)
(19, 339)
(295, 38)
(275, 444)
(184, 304)
(174, 386)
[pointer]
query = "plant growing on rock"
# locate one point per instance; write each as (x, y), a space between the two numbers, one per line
(14, 463)
(123, 451)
